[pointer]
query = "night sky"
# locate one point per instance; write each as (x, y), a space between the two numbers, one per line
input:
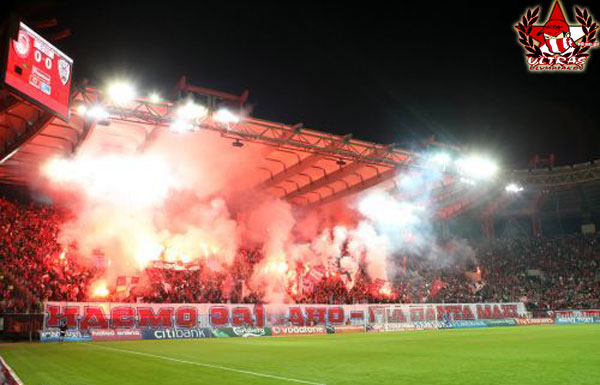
(381, 72)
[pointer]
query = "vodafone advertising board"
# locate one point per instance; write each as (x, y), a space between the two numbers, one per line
(297, 330)
(38, 71)
(535, 321)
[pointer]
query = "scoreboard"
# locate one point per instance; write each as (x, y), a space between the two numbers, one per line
(38, 71)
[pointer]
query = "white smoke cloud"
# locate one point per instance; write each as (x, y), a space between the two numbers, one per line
(191, 197)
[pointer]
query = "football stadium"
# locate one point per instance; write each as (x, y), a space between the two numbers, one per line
(158, 228)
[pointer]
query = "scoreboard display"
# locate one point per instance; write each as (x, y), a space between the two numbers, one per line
(38, 71)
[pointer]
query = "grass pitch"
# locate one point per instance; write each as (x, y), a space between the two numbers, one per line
(562, 354)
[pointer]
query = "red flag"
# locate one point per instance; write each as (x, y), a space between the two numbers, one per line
(316, 275)
(376, 286)
(313, 278)
(121, 280)
(437, 285)
(404, 265)
(474, 276)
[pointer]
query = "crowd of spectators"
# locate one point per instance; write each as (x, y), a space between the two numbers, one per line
(544, 272)
(31, 266)
(176, 286)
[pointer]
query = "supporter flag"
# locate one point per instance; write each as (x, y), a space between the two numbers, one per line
(124, 282)
(313, 277)
(346, 279)
(404, 265)
(227, 287)
(477, 283)
(379, 283)
(121, 280)
(376, 286)
(475, 287)
(437, 285)
(474, 276)
(100, 260)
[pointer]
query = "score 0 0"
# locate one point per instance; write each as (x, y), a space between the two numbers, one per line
(37, 55)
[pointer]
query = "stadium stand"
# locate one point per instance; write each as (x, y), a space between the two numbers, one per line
(543, 272)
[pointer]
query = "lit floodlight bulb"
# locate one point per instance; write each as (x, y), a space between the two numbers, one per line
(180, 125)
(154, 98)
(513, 188)
(98, 112)
(191, 111)
(121, 92)
(225, 116)
(477, 167)
(468, 181)
(441, 159)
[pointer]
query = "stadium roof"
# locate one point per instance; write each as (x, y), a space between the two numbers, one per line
(303, 166)
(29, 135)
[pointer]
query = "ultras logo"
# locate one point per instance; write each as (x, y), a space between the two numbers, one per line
(555, 44)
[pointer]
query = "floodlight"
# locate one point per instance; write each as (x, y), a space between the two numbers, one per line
(98, 112)
(468, 181)
(441, 159)
(513, 188)
(121, 92)
(191, 111)
(81, 109)
(154, 98)
(180, 125)
(225, 116)
(476, 167)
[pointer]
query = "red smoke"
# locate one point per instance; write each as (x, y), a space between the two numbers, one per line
(193, 197)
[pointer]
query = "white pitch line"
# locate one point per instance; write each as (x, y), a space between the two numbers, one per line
(207, 365)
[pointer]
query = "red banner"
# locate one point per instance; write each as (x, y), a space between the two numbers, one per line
(98, 315)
